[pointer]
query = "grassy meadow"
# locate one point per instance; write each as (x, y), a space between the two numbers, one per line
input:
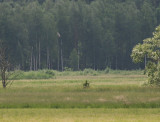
(62, 97)
(79, 115)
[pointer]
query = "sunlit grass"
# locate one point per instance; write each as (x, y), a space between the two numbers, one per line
(110, 97)
(109, 79)
(79, 115)
(105, 91)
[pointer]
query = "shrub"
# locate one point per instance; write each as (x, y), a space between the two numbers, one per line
(67, 69)
(107, 70)
(50, 72)
(90, 72)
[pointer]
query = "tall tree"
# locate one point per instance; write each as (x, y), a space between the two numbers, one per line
(150, 49)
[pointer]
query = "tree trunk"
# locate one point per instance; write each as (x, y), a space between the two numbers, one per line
(36, 57)
(4, 84)
(31, 62)
(94, 63)
(116, 63)
(145, 61)
(58, 57)
(48, 59)
(34, 62)
(39, 56)
(78, 58)
(3, 78)
(61, 56)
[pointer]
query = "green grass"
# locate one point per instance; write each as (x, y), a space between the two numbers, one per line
(104, 97)
(79, 115)
(106, 91)
(52, 74)
(111, 97)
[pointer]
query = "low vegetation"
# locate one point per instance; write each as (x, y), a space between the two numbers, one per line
(52, 74)
(80, 115)
(111, 90)
(109, 97)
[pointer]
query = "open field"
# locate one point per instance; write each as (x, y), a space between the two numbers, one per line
(79, 115)
(110, 97)
(106, 91)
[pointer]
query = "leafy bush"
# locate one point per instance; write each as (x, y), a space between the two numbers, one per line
(41, 74)
(67, 69)
(89, 72)
(107, 70)
(50, 72)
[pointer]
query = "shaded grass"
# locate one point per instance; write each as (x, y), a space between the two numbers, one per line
(79, 115)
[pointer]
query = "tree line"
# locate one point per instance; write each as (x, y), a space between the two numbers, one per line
(78, 34)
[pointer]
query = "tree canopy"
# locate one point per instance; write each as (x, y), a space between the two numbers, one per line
(150, 49)
(93, 33)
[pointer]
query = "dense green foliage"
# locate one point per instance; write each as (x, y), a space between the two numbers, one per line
(63, 33)
(150, 50)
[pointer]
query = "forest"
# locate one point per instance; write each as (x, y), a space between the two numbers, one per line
(75, 34)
